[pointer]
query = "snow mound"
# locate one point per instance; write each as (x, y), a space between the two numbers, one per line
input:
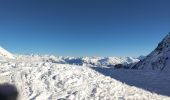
(5, 54)
(52, 81)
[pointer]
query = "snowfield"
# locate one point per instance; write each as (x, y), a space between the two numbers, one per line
(89, 78)
(42, 80)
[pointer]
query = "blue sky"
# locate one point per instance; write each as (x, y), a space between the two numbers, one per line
(83, 27)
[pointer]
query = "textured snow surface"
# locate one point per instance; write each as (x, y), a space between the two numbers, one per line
(40, 80)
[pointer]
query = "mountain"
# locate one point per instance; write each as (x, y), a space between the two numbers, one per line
(4, 54)
(141, 57)
(159, 59)
(44, 77)
(82, 61)
(99, 61)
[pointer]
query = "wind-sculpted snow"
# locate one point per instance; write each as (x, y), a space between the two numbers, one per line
(39, 80)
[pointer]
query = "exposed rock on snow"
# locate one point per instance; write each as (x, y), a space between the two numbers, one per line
(159, 59)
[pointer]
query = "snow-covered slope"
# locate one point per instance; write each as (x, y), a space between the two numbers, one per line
(4, 54)
(159, 59)
(51, 81)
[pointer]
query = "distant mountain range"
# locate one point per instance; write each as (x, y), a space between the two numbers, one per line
(86, 61)
(159, 59)
(83, 61)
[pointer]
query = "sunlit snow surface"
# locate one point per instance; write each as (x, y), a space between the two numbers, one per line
(42, 80)
(5, 54)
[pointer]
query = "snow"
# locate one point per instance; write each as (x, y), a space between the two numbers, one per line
(42, 80)
(153, 81)
(5, 54)
(159, 59)
(83, 61)
(47, 77)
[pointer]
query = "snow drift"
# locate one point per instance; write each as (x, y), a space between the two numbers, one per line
(52, 81)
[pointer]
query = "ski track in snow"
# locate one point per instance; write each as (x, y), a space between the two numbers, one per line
(50, 81)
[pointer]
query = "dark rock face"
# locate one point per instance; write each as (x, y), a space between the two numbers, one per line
(118, 66)
(165, 43)
(160, 47)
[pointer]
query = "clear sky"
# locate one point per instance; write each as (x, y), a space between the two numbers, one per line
(83, 27)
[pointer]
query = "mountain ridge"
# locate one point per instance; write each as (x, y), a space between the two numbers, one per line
(6, 54)
(158, 59)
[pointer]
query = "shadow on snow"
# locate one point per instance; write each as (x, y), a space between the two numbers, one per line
(157, 82)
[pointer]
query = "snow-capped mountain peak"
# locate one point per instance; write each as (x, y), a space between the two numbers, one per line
(164, 44)
(159, 59)
(5, 54)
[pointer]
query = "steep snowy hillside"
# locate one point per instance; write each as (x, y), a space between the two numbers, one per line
(51, 81)
(4, 54)
(159, 59)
